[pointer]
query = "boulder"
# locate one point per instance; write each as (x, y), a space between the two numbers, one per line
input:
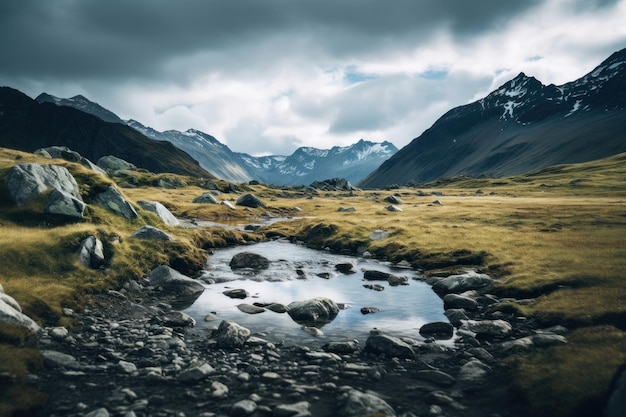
(393, 208)
(374, 287)
(228, 204)
(151, 233)
(111, 164)
(64, 204)
(488, 327)
(374, 275)
(243, 408)
(346, 209)
(160, 210)
(439, 329)
(395, 280)
(355, 403)
(277, 308)
(342, 347)
(173, 282)
(206, 198)
(67, 154)
(299, 409)
(249, 200)
(345, 268)
(231, 335)
(91, 253)
(391, 346)
(195, 373)
(392, 199)
(250, 309)
(369, 310)
(236, 293)
(378, 235)
(459, 301)
(113, 201)
(435, 377)
(456, 316)
(27, 182)
(333, 184)
(11, 315)
(249, 260)
(472, 375)
(463, 282)
(54, 359)
(178, 319)
(316, 311)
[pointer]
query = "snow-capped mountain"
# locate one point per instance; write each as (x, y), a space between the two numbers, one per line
(308, 164)
(83, 104)
(521, 126)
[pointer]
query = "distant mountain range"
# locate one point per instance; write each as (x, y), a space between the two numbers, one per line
(304, 166)
(521, 126)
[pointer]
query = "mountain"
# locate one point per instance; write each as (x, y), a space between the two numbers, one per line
(307, 164)
(27, 125)
(81, 103)
(521, 126)
(212, 155)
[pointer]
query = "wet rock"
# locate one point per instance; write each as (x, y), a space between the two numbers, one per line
(345, 268)
(126, 367)
(250, 309)
(173, 282)
(113, 201)
(231, 335)
(54, 359)
(488, 327)
(151, 233)
(219, 390)
(317, 310)
(374, 275)
(195, 373)
(99, 412)
(277, 308)
(379, 343)
(456, 316)
(313, 331)
(355, 403)
(374, 287)
(249, 260)
(64, 204)
(178, 319)
(437, 329)
(342, 347)
(238, 293)
(243, 408)
(160, 210)
(299, 409)
(206, 198)
(473, 375)
(436, 377)
(459, 301)
(250, 200)
(396, 280)
(463, 282)
(27, 182)
(91, 253)
(369, 310)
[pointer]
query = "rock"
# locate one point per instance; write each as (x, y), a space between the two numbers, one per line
(250, 309)
(391, 346)
(11, 315)
(178, 319)
(113, 201)
(243, 408)
(27, 182)
(392, 199)
(437, 329)
(488, 327)
(374, 275)
(473, 375)
(378, 235)
(355, 403)
(463, 282)
(345, 268)
(206, 198)
(547, 339)
(249, 200)
(151, 233)
(313, 331)
(393, 208)
(54, 359)
(173, 282)
(319, 310)
(374, 287)
(249, 260)
(99, 412)
(616, 404)
(228, 204)
(435, 377)
(342, 347)
(346, 209)
(126, 367)
(110, 164)
(395, 280)
(195, 373)
(459, 301)
(277, 308)
(238, 293)
(369, 310)
(437, 203)
(219, 390)
(64, 204)
(160, 210)
(334, 184)
(231, 335)
(456, 316)
(299, 409)
(91, 253)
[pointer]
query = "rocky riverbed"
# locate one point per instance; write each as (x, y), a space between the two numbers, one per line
(132, 354)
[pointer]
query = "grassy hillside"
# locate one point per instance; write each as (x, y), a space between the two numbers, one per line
(557, 235)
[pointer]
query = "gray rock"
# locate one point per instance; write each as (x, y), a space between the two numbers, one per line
(249, 260)
(239, 293)
(463, 282)
(27, 182)
(379, 343)
(110, 164)
(243, 408)
(473, 375)
(126, 367)
(228, 204)
(178, 319)
(378, 235)
(54, 359)
(299, 409)
(151, 233)
(173, 282)
(435, 377)
(392, 199)
(369, 310)
(317, 310)
(195, 373)
(206, 198)
(357, 404)
(374, 275)
(231, 335)
(346, 209)
(64, 204)
(616, 404)
(277, 308)
(459, 301)
(439, 329)
(160, 210)
(91, 253)
(345, 268)
(250, 309)
(395, 280)
(547, 339)
(99, 412)
(342, 347)
(456, 316)
(10, 301)
(249, 200)
(374, 287)
(113, 201)
(9, 314)
(488, 327)
(393, 208)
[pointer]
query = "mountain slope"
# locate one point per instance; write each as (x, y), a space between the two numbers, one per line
(27, 125)
(81, 103)
(521, 126)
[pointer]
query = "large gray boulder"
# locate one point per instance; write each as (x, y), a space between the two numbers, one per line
(173, 282)
(27, 182)
(114, 201)
(231, 335)
(151, 233)
(63, 152)
(316, 311)
(391, 346)
(206, 198)
(160, 210)
(91, 253)
(111, 164)
(463, 282)
(357, 404)
(12, 315)
(488, 327)
(249, 200)
(249, 260)
(64, 204)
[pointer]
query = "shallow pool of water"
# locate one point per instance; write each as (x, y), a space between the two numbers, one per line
(293, 276)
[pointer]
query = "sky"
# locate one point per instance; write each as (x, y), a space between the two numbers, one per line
(266, 77)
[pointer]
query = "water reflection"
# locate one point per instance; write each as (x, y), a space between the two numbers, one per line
(293, 276)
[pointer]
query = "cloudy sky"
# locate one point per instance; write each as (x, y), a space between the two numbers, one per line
(266, 77)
